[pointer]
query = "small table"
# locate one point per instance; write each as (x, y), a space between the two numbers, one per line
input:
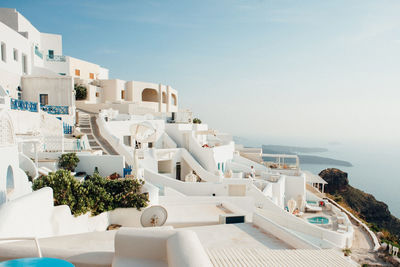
(36, 262)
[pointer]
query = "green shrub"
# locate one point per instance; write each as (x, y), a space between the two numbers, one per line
(66, 190)
(68, 161)
(346, 251)
(99, 199)
(126, 193)
(95, 194)
(80, 92)
(196, 121)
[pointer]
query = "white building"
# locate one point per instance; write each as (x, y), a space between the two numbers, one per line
(196, 173)
(33, 68)
(132, 97)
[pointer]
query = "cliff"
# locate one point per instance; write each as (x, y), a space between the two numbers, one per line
(366, 207)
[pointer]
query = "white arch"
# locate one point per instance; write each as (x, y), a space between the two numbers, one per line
(149, 95)
(10, 185)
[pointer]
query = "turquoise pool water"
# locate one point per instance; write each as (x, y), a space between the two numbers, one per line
(318, 220)
(311, 202)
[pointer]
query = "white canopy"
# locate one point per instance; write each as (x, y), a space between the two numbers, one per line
(313, 178)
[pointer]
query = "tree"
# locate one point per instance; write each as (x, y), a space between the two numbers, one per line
(196, 121)
(68, 161)
(80, 92)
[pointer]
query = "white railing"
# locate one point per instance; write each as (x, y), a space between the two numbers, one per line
(168, 142)
(282, 233)
(39, 251)
(27, 165)
(57, 143)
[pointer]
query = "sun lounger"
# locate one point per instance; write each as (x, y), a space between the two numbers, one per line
(310, 208)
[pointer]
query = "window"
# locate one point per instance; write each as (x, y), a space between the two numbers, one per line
(51, 54)
(24, 64)
(15, 54)
(62, 73)
(122, 94)
(10, 180)
(44, 99)
(174, 100)
(3, 52)
(91, 76)
(19, 95)
(97, 94)
(77, 72)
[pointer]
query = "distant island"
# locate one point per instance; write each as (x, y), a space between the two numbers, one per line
(305, 159)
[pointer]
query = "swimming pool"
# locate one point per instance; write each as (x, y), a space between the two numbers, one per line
(311, 202)
(318, 220)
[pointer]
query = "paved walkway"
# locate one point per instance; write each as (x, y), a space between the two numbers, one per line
(362, 249)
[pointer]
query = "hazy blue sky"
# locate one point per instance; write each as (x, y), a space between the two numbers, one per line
(311, 70)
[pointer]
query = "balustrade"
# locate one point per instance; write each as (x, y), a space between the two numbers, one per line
(24, 105)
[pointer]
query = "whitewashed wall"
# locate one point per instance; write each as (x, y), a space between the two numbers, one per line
(294, 186)
(106, 164)
(9, 159)
(60, 89)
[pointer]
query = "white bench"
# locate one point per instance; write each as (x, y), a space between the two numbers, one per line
(158, 247)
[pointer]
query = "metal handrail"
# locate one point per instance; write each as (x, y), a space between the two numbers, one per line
(57, 58)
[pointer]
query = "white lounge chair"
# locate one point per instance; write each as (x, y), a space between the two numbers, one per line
(310, 208)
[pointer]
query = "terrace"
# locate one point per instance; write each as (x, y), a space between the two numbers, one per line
(283, 163)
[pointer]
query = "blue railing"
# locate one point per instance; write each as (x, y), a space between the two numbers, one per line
(57, 58)
(127, 170)
(67, 128)
(55, 110)
(24, 105)
(38, 53)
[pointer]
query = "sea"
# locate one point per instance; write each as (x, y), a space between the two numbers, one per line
(375, 170)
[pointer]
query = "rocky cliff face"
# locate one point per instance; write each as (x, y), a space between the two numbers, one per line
(367, 207)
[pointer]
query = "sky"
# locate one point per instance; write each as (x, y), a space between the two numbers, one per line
(299, 72)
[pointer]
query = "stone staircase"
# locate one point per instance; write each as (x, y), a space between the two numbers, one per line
(88, 126)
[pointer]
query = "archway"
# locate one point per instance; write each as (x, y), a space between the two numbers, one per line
(174, 100)
(164, 97)
(149, 95)
(10, 180)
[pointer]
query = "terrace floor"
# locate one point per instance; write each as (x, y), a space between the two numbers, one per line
(242, 235)
(226, 245)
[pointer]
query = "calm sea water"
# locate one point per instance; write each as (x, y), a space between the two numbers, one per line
(375, 171)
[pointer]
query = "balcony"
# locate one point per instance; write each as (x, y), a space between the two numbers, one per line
(17, 104)
(56, 58)
(55, 110)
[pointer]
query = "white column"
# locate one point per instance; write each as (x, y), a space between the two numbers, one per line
(168, 98)
(159, 97)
